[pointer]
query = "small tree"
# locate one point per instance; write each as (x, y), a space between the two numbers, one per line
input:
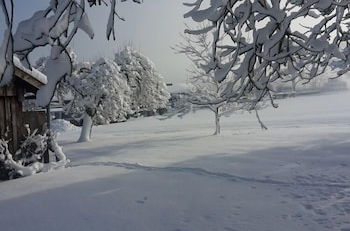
(207, 90)
(148, 86)
(206, 93)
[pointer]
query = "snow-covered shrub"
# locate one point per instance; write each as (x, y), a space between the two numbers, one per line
(27, 160)
(32, 148)
(4, 153)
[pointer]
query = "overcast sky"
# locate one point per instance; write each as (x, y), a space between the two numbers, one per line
(152, 27)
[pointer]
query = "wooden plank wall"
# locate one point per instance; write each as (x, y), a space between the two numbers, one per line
(10, 116)
(2, 116)
(35, 119)
(13, 119)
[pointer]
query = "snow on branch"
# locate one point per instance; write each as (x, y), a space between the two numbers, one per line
(262, 37)
(208, 89)
(6, 47)
(55, 26)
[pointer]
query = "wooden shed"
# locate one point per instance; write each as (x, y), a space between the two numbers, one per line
(17, 105)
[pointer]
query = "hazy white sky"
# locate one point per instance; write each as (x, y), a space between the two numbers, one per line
(152, 27)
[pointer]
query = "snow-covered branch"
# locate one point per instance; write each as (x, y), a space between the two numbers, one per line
(55, 26)
(6, 47)
(261, 37)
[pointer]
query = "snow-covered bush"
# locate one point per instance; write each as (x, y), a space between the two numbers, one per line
(149, 91)
(27, 160)
(4, 155)
(31, 149)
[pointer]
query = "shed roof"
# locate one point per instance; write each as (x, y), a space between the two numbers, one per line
(33, 76)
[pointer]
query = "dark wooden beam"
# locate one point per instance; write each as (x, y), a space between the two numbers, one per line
(28, 78)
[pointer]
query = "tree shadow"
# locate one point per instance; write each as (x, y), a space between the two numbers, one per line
(94, 149)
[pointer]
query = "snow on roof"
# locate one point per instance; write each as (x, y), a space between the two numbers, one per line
(178, 88)
(33, 73)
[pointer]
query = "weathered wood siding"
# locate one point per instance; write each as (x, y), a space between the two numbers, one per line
(10, 115)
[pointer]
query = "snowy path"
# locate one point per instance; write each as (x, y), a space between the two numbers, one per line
(153, 175)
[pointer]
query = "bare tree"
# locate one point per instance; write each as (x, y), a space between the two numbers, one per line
(208, 91)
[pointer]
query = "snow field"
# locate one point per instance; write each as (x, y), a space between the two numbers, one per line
(148, 174)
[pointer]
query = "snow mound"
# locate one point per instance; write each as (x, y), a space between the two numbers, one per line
(61, 125)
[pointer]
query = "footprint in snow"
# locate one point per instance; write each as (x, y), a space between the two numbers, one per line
(308, 206)
(347, 228)
(230, 229)
(142, 201)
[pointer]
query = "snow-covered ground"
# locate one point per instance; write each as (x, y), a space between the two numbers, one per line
(172, 175)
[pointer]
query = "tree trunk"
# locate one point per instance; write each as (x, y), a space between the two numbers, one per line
(85, 135)
(46, 156)
(217, 122)
(294, 85)
(262, 125)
